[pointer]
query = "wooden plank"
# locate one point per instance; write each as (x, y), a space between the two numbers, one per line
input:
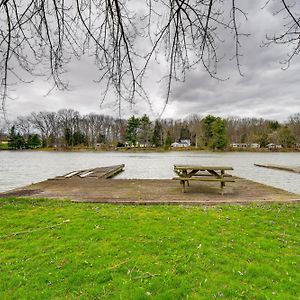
(86, 174)
(114, 171)
(215, 174)
(204, 179)
(205, 174)
(193, 167)
(100, 172)
(71, 174)
(83, 172)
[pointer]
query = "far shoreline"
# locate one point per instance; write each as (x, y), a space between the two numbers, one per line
(156, 150)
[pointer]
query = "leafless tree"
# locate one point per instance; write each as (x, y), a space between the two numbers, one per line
(43, 122)
(40, 37)
(290, 34)
(23, 126)
(294, 123)
(2, 135)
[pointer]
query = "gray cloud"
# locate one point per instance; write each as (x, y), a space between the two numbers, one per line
(264, 91)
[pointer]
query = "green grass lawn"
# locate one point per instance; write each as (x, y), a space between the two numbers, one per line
(61, 250)
(3, 146)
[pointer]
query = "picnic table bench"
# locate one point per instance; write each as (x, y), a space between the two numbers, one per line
(189, 173)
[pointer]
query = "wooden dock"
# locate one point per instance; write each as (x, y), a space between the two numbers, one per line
(279, 167)
(96, 173)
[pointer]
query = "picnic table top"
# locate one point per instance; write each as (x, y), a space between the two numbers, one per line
(196, 167)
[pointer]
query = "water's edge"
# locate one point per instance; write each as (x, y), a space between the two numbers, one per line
(19, 168)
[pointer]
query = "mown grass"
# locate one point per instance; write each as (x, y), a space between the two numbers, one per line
(139, 252)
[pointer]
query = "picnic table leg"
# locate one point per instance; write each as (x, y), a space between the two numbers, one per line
(186, 175)
(183, 185)
(222, 182)
(222, 187)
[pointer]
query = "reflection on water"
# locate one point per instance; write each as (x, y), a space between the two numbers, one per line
(18, 168)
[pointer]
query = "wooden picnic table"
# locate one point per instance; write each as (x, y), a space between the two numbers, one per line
(188, 173)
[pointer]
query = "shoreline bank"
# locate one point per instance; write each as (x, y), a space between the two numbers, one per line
(157, 150)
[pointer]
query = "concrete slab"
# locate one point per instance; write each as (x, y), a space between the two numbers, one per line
(153, 191)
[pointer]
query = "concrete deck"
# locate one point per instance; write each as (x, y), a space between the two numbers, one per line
(156, 191)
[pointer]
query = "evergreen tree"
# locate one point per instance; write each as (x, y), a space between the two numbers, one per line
(20, 142)
(215, 135)
(274, 125)
(15, 140)
(168, 140)
(12, 138)
(78, 138)
(185, 133)
(33, 141)
(219, 138)
(207, 124)
(157, 138)
(144, 135)
(132, 130)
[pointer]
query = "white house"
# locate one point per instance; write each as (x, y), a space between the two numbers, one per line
(273, 146)
(182, 143)
(255, 145)
(175, 145)
(244, 145)
(239, 145)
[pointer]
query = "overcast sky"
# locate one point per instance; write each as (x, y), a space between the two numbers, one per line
(265, 91)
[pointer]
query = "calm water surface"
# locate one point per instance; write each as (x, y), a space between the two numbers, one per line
(25, 167)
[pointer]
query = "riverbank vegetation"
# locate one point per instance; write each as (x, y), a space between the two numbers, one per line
(67, 130)
(57, 249)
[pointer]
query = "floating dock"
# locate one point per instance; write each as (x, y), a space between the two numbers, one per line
(95, 173)
(279, 167)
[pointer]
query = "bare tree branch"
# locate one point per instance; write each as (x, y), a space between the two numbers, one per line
(290, 35)
(40, 37)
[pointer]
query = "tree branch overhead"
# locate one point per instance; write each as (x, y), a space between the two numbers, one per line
(40, 38)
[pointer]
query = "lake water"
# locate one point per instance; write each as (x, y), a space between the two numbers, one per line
(19, 168)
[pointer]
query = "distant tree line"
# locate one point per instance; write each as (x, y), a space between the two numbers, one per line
(264, 132)
(67, 128)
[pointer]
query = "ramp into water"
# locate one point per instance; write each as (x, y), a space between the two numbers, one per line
(279, 167)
